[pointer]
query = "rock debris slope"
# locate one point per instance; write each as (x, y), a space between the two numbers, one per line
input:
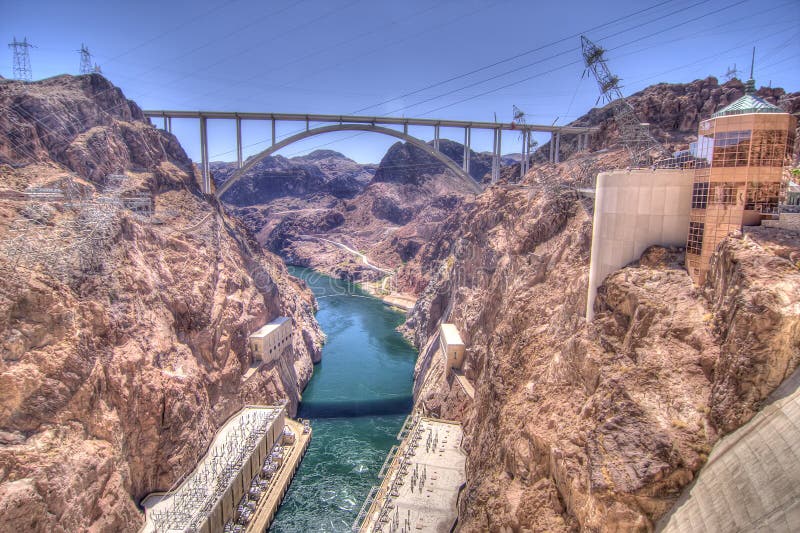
(123, 337)
(595, 427)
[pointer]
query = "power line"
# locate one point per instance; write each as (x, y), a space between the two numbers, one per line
(499, 88)
(451, 20)
(541, 47)
(565, 52)
(511, 58)
(635, 136)
(579, 62)
(528, 78)
(537, 75)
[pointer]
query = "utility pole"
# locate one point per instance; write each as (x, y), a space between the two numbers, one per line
(86, 60)
(635, 135)
(22, 60)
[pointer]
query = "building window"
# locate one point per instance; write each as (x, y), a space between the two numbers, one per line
(694, 244)
(770, 148)
(704, 149)
(700, 195)
(763, 197)
(731, 149)
(725, 193)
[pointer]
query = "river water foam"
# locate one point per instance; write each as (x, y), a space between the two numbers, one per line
(356, 400)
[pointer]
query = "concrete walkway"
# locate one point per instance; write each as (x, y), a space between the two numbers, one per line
(464, 382)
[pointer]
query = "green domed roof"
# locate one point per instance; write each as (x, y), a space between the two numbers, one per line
(749, 103)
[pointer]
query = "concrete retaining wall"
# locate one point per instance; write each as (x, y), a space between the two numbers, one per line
(788, 221)
(633, 210)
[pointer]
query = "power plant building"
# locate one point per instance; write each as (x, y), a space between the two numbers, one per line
(272, 339)
(743, 153)
(451, 344)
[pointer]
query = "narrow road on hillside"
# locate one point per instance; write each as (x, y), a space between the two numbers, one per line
(346, 248)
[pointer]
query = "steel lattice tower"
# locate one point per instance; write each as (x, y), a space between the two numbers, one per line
(636, 137)
(86, 60)
(22, 60)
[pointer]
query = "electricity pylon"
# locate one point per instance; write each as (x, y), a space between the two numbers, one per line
(86, 60)
(22, 60)
(635, 135)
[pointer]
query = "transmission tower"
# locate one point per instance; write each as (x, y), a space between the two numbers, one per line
(519, 115)
(635, 135)
(22, 59)
(732, 73)
(86, 60)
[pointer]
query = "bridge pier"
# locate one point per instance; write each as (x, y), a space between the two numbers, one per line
(494, 154)
(496, 150)
(273, 132)
(467, 140)
(238, 142)
(499, 151)
(436, 137)
(558, 148)
(205, 169)
(524, 162)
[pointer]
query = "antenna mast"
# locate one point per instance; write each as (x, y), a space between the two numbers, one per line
(634, 134)
(22, 60)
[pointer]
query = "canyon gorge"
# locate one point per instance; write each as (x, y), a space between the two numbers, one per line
(123, 352)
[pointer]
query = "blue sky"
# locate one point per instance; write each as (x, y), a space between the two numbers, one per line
(368, 56)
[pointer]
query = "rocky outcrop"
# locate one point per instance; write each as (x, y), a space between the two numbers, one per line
(123, 349)
(404, 163)
(595, 426)
(754, 295)
(83, 123)
(389, 221)
(673, 110)
(318, 174)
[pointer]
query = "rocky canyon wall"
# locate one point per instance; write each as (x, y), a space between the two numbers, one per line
(123, 336)
(595, 426)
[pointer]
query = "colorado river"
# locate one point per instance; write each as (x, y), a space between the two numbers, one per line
(356, 400)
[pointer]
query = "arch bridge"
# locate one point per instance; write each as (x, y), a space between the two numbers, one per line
(384, 125)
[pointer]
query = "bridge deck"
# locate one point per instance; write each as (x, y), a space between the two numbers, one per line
(355, 119)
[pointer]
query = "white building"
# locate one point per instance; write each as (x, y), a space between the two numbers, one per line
(635, 209)
(272, 339)
(451, 344)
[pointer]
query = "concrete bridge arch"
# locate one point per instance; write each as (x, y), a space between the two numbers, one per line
(469, 183)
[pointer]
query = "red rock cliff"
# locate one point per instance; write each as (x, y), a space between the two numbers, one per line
(123, 337)
(595, 426)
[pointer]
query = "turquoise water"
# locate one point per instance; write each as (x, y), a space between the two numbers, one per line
(356, 400)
